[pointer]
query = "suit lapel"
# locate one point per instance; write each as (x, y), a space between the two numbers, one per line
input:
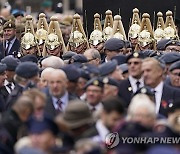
(15, 47)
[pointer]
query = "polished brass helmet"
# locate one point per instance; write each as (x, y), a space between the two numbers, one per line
(96, 36)
(77, 36)
(42, 28)
(146, 33)
(118, 29)
(54, 37)
(28, 40)
(108, 25)
(135, 25)
(159, 32)
(170, 29)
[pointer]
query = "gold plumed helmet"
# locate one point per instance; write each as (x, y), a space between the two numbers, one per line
(146, 33)
(96, 36)
(170, 29)
(28, 40)
(54, 37)
(159, 32)
(77, 36)
(135, 25)
(108, 25)
(42, 28)
(118, 29)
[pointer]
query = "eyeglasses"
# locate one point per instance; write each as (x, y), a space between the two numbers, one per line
(135, 63)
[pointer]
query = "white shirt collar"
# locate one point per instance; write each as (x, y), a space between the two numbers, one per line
(133, 81)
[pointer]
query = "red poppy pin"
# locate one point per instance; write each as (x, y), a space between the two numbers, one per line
(164, 104)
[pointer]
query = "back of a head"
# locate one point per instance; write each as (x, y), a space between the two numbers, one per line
(94, 52)
(52, 61)
(47, 71)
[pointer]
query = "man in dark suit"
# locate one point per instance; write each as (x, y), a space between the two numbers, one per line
(57, 94)
(153, 73)
(10, 45)
(135, 80)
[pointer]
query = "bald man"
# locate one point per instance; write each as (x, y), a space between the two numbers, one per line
(57, 94)
(93, 56)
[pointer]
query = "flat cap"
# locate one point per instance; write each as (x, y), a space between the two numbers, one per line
(72, 72)
(161, 45)
(107, 68)
(40, 125)
(170, 57)
(135, 55)
(3, 68)
(30, 58)
(96, 81)
(11, 62)
(121, 59)
(110, 81)
(114, 44)
(174, 66)
(27, 70)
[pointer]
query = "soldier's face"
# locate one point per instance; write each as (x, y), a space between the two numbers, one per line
(2, 79)
(80, 49)
(30, 51)
(175, 77)
(55, 52)
(109, 91)
(152, 73)
(41, 47)
(133, 41)
(94, 94)
(9, 33)
(134, 67)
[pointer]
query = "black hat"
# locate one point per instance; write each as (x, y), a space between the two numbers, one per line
(174, 66)
(173, 42)
(79, 58)
(96, 81)
(107, 68)
(110, 81)
(170, 57)
(31, 58)
(121, 59)
(27, 70)
(67, 55)
(72, 72)
(135, 55)
(124, 68)
(114, 44)
(149, 53)
(161, 45)
(10, 62)
(40, 125)
(145, 90)
(3, 68)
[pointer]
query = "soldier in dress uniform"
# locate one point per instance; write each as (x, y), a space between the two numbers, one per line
(42, 30)
(170, 28)
(54, 44)
(28, 41)
(134, 28)
(118, 28)
(146, 36)
(108, 25)
(96, 38)
(159, 32)
(78, 41)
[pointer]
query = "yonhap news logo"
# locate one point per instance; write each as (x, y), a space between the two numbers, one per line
(113, 139)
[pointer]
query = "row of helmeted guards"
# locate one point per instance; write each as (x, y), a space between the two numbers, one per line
(143, 32)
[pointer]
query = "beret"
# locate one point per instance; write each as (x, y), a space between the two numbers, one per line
(173, 42)
(84, 74)
(124, 67)
(9, 24)
(161, 45)
(3, 68)
(170, 57)
(31, 58)
(96, 81)
(72, 72)
(174, 66)
(110, 81)
(107, 68)
(80, 58)
(27, 70)
(37, 126)
(135, 55)
(92, 69)
(67, 55)
(10, 62)
(121, 59)
(114, 44)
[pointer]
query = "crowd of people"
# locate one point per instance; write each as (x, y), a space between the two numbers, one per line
(61, 92)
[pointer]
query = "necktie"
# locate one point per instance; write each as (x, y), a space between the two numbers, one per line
(59, 103)
(93, 109)
(9, 85)
(137, 84)
(7, 48)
